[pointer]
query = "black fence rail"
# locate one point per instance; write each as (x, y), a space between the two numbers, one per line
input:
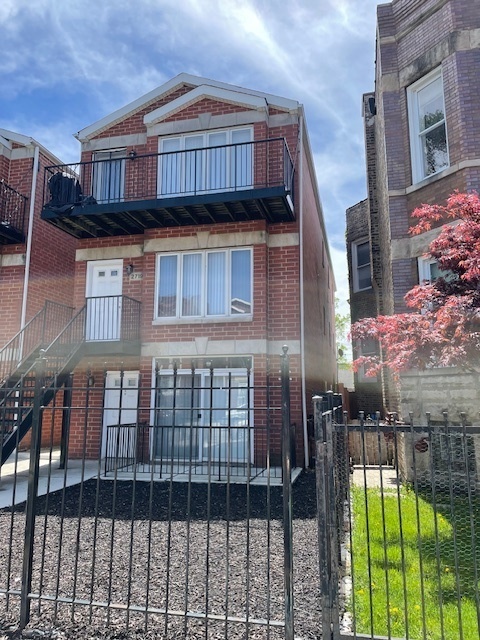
(131, 177)
(399, 520)
(12, 209)
(204, 557)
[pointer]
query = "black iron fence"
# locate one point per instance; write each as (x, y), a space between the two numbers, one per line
(200, 555)
(398, 527)
(130, 177)
(12, 208)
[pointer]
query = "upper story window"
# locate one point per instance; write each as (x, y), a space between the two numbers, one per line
(204, 284)
(109, 176)
(362, 278)
(428, 133)
(206, 162)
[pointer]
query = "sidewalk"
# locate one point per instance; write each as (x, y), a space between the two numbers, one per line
(14, 475)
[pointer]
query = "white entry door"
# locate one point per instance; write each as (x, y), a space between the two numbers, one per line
(104, 300)
(120, 414)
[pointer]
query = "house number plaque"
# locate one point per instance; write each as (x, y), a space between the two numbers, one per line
(136, 276)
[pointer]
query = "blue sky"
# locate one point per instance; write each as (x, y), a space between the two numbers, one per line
(65, 64)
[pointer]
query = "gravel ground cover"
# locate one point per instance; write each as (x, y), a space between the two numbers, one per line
(214, 549)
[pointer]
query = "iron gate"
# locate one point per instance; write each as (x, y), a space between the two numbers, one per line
(398, 527)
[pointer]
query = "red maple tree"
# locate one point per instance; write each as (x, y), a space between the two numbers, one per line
(444, 327)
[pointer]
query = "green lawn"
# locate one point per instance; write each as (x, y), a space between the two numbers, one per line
(414, 588)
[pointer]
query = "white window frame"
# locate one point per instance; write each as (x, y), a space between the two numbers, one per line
(416, 144)
(203, 316)
(362, 377)
(204, 177)
(424, 271)
(356, 266)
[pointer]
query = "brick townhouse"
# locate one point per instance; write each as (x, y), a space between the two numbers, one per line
(201, 252)
(422, 140)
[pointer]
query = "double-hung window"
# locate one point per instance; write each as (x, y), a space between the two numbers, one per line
(109, 176)
(362, 278)
(204, 284)
(205, 162)
(428, 133)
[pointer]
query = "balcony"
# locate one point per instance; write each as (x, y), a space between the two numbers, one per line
(12, 215)
(126, 194)
(112, 325)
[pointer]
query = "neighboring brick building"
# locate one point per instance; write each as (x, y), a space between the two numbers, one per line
(37, 262)
(201, 252)
(422, 136)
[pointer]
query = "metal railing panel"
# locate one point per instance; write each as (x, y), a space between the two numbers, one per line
(12, 208)
(226, 168)
(405, 520)
(176, 559)
(38, 332)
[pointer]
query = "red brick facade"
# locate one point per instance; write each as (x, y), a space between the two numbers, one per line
(292, 277)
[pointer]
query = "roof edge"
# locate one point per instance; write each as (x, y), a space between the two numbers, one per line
(179, 80)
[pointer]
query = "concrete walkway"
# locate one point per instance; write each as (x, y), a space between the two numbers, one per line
(14, 475)
(375, 476)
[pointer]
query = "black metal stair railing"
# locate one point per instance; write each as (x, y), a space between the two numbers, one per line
(37, 333)
(60, 356)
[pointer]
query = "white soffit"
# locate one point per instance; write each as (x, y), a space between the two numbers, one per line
(201, 92)
(168, 87)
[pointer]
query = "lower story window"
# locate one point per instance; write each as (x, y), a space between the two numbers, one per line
(204, 284)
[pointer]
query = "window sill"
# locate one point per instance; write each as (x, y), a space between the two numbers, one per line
(209, 320)
(433, 178)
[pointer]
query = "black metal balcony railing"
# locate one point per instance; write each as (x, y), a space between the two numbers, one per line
(12, 213)
(237, 167)
(112, 318)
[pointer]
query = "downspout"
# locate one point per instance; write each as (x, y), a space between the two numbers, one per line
(36, 155)
(302, 298)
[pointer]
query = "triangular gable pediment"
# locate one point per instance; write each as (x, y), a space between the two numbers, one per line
(205, 92)
(238, 95)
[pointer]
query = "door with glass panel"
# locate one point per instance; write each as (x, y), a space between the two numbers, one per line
(207, 162)
(203, 419)
(109, 176)
(226, 436)
(104, 300)
(178, 417)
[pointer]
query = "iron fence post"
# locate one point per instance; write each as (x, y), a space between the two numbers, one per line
(36, 439)
(66, 414)
(320, 483)
(326, 519)
(287, 496)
